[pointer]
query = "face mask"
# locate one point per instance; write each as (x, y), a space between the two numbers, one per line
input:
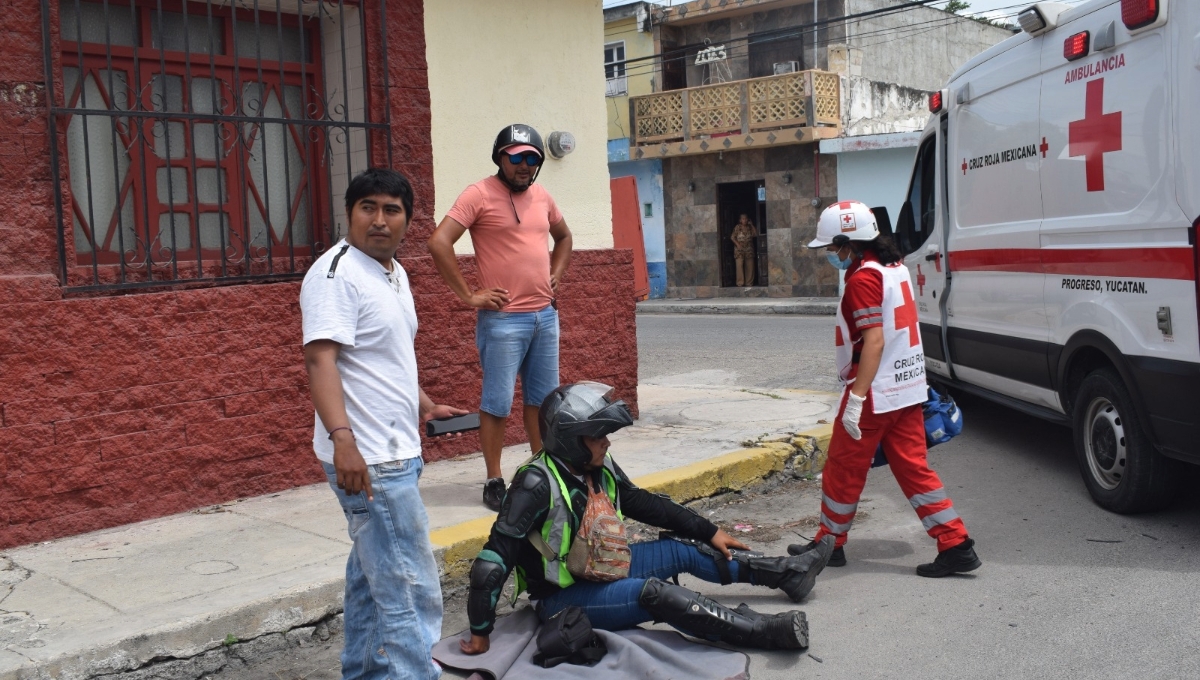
(837, 262)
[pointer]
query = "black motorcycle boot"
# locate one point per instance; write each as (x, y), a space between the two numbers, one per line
(795, 575)
(698, 615)
(956, 560)
(836, 559)
(785, 630)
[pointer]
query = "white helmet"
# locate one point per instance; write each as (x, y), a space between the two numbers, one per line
(845, 221)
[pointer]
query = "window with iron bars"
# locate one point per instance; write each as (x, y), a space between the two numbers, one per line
(205, 139)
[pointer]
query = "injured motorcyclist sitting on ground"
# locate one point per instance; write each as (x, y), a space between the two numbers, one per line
(573, 488)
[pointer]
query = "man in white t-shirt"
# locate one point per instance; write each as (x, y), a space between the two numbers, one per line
(359, 325)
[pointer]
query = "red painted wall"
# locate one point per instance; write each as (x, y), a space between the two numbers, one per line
(120, 408)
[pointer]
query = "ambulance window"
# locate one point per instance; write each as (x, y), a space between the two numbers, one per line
(912, 233)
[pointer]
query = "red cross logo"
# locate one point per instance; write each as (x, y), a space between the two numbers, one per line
(920, 282)
(848, 222)
(1044, 147)
(964, 166)
(1094, 135)
(906, 315)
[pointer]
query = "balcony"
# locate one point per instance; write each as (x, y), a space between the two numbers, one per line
(792, 108)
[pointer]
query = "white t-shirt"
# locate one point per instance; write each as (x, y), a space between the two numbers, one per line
(370, 313)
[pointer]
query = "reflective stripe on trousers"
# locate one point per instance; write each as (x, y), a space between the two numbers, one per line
(835, 527)
(942, 517)
(929, 498)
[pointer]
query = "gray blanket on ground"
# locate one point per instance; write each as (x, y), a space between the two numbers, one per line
(632, 653)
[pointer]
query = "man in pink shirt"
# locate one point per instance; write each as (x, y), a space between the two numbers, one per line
(511, 221)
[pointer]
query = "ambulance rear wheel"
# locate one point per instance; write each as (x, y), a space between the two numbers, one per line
(1123, 471)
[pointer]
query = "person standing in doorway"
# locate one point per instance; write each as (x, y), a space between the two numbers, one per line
(359, 324)
(881, 366)
(511, 221)
(743, 237)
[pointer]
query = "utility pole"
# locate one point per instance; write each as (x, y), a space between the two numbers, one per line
(814, 38)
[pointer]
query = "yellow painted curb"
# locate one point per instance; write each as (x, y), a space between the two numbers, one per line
(728, 472)
(460, 543)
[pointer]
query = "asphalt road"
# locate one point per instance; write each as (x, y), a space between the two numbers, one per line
(763, 350)
(1067, 590)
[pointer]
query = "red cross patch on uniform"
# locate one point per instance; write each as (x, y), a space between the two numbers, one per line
(848, 223)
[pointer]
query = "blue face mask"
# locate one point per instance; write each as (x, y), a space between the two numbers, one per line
(837, 262)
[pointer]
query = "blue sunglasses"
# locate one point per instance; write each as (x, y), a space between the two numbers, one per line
(531, 159)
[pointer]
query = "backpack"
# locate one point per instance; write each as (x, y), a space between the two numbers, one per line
(568, 637)
(600, 549)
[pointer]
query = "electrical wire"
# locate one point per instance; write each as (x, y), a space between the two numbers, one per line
(801, 31)
(897, 33)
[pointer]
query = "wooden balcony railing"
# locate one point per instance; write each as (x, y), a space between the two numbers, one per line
(790, 108)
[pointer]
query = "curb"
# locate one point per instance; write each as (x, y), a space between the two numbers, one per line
(265, 622)
(794, 308)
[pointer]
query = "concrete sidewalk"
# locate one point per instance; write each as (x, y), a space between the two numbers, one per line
(182, 586)
(809, 306)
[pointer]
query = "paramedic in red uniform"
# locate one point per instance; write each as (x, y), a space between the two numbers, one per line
(882, 366)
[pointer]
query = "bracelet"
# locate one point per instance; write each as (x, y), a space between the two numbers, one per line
(344, 427)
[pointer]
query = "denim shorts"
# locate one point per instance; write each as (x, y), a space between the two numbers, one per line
(512, 344)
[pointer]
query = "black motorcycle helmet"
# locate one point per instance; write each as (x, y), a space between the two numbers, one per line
(582, 409)
(517, 133)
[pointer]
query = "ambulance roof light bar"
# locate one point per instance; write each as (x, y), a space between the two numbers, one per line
(1041, 17)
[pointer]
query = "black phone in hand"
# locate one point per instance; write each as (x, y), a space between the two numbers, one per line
(451, 425)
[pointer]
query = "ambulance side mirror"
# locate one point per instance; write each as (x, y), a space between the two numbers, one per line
(882, 219)
(904, 227)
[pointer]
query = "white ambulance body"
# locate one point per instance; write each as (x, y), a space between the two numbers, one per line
(1051, 232)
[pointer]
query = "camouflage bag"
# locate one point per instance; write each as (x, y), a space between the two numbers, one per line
(600, 550)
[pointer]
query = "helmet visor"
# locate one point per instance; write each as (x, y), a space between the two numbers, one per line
(587, 397)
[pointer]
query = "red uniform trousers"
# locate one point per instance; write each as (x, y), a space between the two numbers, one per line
(902, 433)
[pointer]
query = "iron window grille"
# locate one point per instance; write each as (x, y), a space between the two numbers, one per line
(206, 141)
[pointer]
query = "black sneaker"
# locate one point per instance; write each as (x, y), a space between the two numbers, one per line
(837, 559)
(493, 493)
(955, 560)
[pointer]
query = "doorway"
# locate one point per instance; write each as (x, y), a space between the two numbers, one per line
(733, 200)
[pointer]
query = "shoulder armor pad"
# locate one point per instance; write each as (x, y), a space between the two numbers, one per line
(528, 495)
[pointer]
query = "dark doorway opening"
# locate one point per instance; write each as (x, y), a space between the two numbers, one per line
(733, 200)
(768, 50)
(674, 67)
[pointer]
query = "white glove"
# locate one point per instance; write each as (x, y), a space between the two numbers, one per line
(852, 414)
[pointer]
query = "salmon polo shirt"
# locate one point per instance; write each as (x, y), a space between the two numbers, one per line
(510, 232)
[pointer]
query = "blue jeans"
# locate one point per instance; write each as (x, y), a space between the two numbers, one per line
(512, 343)
(614, 605)
(393, 606)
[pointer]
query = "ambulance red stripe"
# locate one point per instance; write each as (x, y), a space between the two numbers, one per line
(1149, 263)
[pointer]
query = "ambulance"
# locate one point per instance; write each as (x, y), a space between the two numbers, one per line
(1050, 229)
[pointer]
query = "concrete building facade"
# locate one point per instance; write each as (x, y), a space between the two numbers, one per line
(628, 71)
(882, 68)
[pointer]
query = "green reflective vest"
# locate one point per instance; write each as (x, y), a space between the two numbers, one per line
(553, 540)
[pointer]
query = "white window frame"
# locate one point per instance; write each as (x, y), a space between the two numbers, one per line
(616, 84)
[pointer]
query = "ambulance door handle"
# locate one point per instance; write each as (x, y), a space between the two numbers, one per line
(933, 257)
